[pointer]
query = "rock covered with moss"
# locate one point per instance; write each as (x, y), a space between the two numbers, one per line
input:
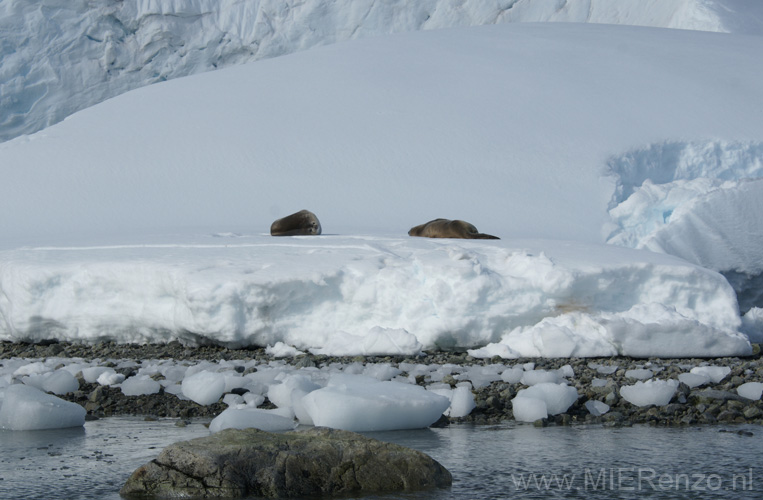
(316, 462)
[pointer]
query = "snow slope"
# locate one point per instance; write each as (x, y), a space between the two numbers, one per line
(145, 217)
(57, 57)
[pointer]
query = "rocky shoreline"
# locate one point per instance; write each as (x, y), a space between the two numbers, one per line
(709, 404)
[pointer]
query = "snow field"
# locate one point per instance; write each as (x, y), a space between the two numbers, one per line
(358, 397)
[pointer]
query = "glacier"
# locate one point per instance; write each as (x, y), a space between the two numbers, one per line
(61, 56)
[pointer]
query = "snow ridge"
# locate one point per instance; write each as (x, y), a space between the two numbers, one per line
(65, 55)
(371, 295)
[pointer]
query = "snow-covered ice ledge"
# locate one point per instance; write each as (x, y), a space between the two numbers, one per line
(346, 295)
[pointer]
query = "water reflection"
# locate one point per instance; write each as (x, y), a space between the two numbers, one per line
(487, 462)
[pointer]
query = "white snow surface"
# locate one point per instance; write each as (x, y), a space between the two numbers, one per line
(60, 56)
(144, 218)
(377, 295)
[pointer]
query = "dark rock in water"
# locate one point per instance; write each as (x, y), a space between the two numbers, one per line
(316, 462)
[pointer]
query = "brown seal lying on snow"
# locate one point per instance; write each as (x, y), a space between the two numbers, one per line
(303, 222)
(446, 228)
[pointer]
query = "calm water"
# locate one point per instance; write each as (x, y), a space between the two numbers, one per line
(508, 461)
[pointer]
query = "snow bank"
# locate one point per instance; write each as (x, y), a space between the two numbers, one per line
(372, 295)
(68, 55)
(26, 408)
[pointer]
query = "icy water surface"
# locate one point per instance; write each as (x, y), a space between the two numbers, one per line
(508, 461)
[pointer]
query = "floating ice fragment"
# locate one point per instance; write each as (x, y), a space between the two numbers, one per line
(247, 417)
(26, 408)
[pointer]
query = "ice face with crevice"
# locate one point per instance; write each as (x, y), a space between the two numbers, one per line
(697, 200)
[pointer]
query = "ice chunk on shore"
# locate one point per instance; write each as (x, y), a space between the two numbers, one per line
(140, 385)
(529, 409)
(462, 401)
(370, 405)
(596, 408)
(535, 377)
(751, 390)
(651, 392)
(58, 382)
(512, 375)
(557, 397)
(27, 408)
(715, 373)
(639, 373)
(110, 377)
(92, 373)
(693, 380)
(289, 394)
(204, 387)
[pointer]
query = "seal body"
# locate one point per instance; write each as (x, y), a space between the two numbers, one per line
(303, 222)
(446, 228)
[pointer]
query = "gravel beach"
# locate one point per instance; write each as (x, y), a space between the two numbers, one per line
(597, 379)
